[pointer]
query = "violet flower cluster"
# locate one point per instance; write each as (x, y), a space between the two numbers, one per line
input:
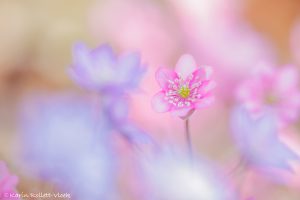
(111, 77)
(69, 137)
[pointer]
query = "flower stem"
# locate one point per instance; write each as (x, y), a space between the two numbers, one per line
(188, 139)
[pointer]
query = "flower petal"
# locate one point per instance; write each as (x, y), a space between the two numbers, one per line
(208, 71)
(206, 101)
(130, 70)
(81, 56)
(289, 108)
(163, 76)
(128, 62)
(159, 104)
(186, 65)
(287, 79)
(103, 56)
(75, 74)
(207, 86)
(205, 72)
(200, 75)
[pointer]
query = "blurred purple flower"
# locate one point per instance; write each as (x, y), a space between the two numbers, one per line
(101, 70)
(172, 175)
(8, 183)
(258, 141)
(64, 144)
(115, 109)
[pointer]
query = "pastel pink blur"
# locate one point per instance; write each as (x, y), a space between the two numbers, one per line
(273, 87)
(8, 183)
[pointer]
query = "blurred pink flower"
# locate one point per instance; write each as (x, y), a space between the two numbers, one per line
(185, 89)
(100, 69)
(144, 26)
(8, 183)
(275, 88)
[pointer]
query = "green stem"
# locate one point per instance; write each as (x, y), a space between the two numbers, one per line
(188, 138)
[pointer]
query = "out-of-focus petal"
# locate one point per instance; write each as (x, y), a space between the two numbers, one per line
(207, 86)
(272, 87)
(100, 70)
(129, 61)
(207, 72)
(289, 109)
(103, 56)
(185, 66)
(202, 103)
(287, 79)
(81, 56)
(129, 66)
(258, 141)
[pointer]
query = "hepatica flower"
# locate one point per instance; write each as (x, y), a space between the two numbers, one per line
(184, 90)
(258, 141)
(8, 183)
(275, 88)
(101, 70)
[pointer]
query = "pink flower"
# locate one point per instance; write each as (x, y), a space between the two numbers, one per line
(185, 89)
(8, 183)
(275, 88)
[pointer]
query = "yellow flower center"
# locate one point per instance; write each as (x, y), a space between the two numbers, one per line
(270, 99)
(184, 91)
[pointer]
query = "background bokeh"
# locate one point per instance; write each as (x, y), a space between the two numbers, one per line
(37, 36)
